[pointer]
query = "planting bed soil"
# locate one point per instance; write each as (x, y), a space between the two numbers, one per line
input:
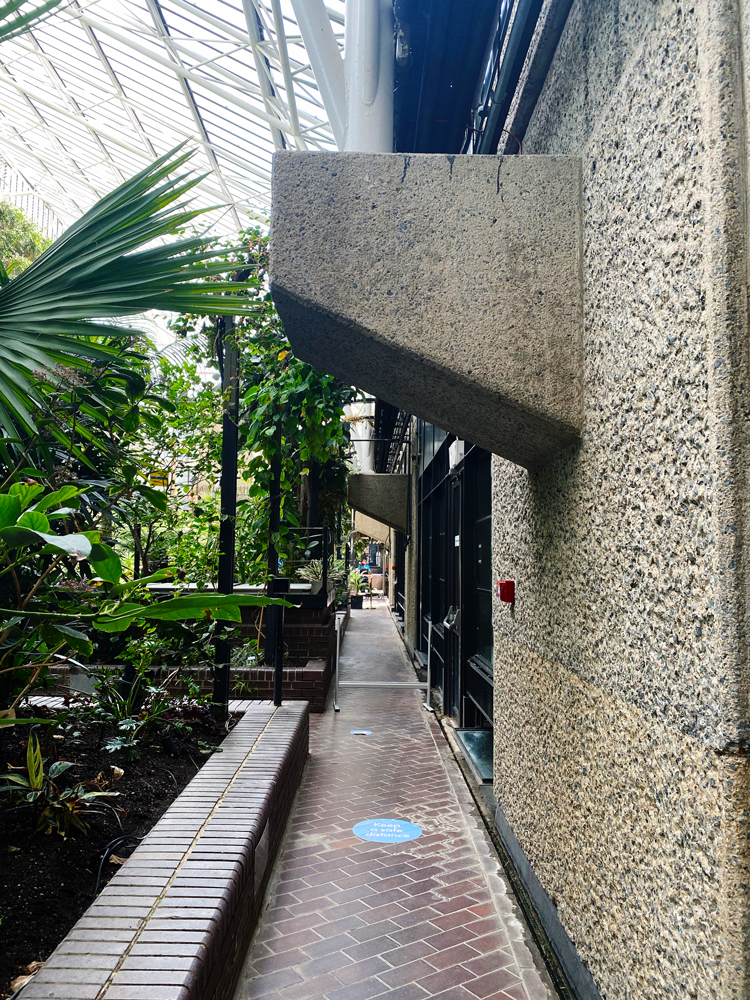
(46, 882)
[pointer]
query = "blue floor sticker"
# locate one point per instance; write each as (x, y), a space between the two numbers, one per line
(387, 831)
(360, 732)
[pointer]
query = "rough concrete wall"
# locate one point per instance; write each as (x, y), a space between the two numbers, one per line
(620, 678)
(369, 526)
(381, 496)
(447, 286)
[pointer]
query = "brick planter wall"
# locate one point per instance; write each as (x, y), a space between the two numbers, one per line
(175, 922)
(309, 633)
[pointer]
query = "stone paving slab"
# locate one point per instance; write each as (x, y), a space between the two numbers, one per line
(348, 919)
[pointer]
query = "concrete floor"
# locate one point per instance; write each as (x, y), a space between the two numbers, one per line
(348, 919)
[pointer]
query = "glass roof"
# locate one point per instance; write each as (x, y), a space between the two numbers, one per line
(101, 88)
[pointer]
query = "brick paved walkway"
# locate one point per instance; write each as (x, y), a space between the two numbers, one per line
(349, 920)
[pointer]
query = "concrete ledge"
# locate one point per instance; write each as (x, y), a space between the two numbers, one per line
(175, 922)
(449, 286)
(371, 527)
(381, 497)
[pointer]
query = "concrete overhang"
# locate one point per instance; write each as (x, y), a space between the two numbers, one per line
(382, 497)
(369, 526)
(449, 286)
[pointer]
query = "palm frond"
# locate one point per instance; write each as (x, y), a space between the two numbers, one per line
(109, 263)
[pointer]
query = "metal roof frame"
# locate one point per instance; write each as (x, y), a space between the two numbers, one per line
(102, 87)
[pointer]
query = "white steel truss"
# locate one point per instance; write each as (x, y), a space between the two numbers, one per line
(102, 87)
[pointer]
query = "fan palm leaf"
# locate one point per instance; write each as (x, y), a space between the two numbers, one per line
(110, 263)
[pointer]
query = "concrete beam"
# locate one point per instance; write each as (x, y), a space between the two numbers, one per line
(372, 528)
(382, 497)
(449, 286)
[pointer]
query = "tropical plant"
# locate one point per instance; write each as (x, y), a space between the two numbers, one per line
(62, 809)
(356, 582)
(21, 241)
(276, 391)
(99, 268)
(64, 584)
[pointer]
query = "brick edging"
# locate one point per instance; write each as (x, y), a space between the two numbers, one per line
(174, 923)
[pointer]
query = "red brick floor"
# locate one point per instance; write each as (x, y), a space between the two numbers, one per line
(349, 920)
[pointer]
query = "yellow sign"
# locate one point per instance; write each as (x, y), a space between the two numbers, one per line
(159, 477)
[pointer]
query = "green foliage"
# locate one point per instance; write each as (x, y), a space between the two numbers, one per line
(146, 712)
(62, 809)
(66, 583)
(21, 241)
(278, 395)
(99, 268)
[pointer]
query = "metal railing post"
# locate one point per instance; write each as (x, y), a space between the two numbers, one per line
(429, 668)
(336, 675)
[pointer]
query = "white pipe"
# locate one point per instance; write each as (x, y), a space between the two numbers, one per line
(286, 70)
(186, 74)
(327, 65)
(369, 76)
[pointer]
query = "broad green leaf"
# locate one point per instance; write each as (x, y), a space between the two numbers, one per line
(60, 767)
(119, 620)
(10, 509)
(34, 762)
(156, 498)
(190, 607)
(55, 515)
(25, 492)
(65, 493)
(78, 641)
(33, 519)
(106, 562)
(73, 545)
(157, 577)
(14, 537)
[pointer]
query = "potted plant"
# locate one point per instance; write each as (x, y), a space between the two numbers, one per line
(313, 574)
(355, 586)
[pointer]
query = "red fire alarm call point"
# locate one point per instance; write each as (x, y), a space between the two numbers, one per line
(506, 591)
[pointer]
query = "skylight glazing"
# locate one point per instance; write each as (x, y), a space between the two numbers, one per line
(101, 88)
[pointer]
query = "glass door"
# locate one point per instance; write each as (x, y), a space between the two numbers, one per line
(452, 621)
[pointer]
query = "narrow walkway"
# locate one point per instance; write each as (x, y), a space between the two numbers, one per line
(348, 919)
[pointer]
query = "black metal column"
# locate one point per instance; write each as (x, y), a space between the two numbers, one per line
(229, 363)
(313, 515)
(274, 653)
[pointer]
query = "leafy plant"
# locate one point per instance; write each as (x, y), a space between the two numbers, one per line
(311, 571)
(21, 241)
(62, 809)
(66, 585)
(355, 582)
(289, 411)
(98, 268)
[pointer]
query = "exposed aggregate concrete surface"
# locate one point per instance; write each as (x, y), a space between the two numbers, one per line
(621, 671)
(381, 496)
(449, 286)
